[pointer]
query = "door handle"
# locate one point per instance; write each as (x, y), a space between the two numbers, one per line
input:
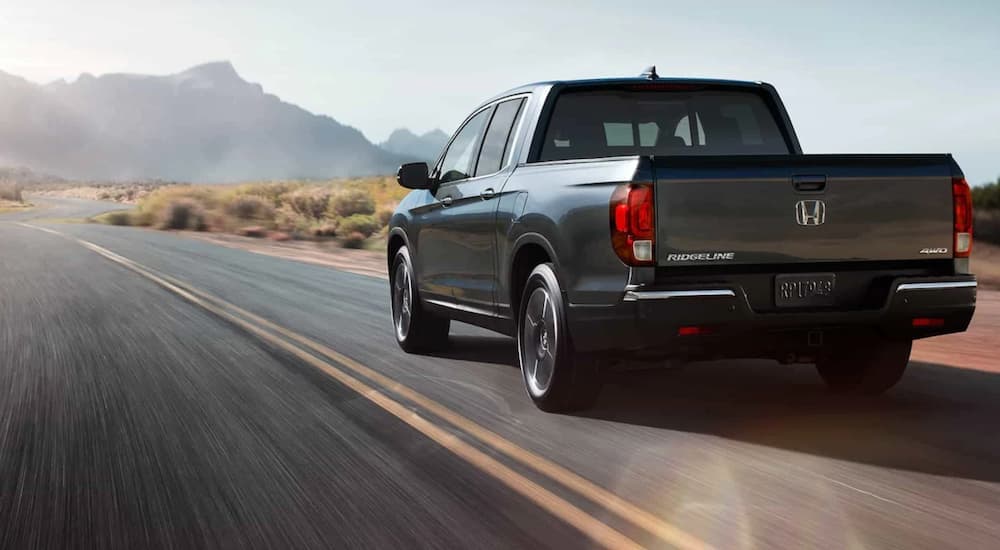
(809, 184)
(488, 193)
(446, 202)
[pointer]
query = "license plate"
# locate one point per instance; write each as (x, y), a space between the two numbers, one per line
(805, 290)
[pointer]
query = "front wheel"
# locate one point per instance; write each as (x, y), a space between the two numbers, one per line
(556, 377)
(416, 329)
(868, 367)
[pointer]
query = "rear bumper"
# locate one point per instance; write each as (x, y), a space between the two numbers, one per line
(649, 319)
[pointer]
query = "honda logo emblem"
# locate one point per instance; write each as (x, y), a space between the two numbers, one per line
(810, 212)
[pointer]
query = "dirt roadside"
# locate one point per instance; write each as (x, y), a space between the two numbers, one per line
(363, 262)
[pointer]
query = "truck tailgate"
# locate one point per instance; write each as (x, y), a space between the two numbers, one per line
(803, 208)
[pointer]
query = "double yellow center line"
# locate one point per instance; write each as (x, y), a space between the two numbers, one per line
(349, 372)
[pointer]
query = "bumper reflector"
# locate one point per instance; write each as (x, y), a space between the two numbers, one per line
(693, 331)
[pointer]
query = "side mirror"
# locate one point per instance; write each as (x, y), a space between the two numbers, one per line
(414, 175)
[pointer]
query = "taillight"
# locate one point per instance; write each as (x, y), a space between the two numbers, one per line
(962, 201)
(633, 223)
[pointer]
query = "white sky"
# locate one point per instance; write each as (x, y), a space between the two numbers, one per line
(856, 76)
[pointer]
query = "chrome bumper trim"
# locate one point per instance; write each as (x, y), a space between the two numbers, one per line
(637, 295)
(936, 286)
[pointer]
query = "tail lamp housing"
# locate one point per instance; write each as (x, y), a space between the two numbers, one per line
(633, 224)
(962, 202)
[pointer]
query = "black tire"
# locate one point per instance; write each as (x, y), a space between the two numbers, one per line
(556, 377)
(416, 329)
(868, 367)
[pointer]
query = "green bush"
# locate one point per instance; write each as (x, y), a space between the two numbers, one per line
(359, 223)
(987, 197)
(350, 202)
(353, 240)
(183, 214)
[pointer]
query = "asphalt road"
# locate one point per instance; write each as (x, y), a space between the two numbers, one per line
(132, 417)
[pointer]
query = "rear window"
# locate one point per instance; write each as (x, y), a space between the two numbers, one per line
(610, 123)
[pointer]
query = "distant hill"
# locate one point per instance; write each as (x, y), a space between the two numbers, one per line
(425, 147)
(203, 124)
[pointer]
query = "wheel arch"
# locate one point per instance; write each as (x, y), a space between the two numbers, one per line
(397, 239)
(530, 250)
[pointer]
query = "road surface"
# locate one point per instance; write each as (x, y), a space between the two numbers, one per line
(163, 392)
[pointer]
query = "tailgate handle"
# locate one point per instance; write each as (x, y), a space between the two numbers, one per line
(809, 184)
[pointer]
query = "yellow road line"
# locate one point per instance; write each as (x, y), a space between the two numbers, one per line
(547, 500)
(613, 503)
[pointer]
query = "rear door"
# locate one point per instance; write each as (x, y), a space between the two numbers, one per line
(458, 237)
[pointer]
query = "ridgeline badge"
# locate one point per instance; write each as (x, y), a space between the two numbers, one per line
(701, 257)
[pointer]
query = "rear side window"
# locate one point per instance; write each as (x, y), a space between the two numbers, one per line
(491, 158)
(608, 123)
(458, 160)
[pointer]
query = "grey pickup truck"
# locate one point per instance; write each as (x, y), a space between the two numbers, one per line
(615, 221)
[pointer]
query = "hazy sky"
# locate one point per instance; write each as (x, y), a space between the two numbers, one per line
(863, 76)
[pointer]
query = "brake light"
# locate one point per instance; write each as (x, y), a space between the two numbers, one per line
(633, 223)
(925, 322)
(962, 201)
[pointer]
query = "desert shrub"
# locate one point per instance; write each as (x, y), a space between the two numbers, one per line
(288, 220)
(117, 218)
(249, 207)
(353, 240)
(271, 192)
(987, 197)
(383, 217)
(310, 202)
(183, 214)
(324, 229)
(11, 192)
(382, 189)
(986, 226)
(350, 202)
(255, 231)
(153, 206)
(142, 218)
(359, 223)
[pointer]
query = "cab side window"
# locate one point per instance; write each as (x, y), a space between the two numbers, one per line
(497, 140)
(459, 161)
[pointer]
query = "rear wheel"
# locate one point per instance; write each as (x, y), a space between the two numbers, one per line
(416, 328)
(869, 366)
(556, 377)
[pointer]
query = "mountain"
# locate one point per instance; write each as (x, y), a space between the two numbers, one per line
(204, 124)
(426, 147)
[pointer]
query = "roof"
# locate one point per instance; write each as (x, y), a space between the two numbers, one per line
(534, 86)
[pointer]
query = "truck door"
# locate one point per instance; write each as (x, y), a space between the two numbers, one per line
(468, 229)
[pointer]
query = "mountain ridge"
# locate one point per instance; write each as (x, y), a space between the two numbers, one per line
(426, 146)
(205, 123)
